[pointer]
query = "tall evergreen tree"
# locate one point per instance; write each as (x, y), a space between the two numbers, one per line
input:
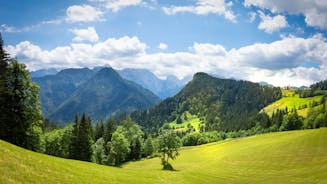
(20, 117)
(99, 131)
(85, 138)
(109, 130)
(81, 143)
(74, 144)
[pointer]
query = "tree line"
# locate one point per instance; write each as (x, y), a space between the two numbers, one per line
(110, 143)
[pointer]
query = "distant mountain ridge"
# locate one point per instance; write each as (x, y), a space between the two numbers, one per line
(55, 89)
(162, 88)
(99, 94)
(43, 72)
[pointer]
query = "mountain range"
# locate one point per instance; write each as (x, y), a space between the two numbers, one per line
(162, 88)
(99, 93)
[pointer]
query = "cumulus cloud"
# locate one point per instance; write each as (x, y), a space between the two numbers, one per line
(204, 7)
(116, 5)
(281, 62)
(272, 24)
(315, 11)
(162, 46)
(83, 13)
(88, 34)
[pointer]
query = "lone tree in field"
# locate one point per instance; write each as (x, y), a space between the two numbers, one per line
(169, 143)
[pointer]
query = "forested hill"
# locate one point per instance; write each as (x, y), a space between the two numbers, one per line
(223, 104)
(103, 95)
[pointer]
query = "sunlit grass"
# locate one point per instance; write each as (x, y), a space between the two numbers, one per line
(285, 157)
(291, 101)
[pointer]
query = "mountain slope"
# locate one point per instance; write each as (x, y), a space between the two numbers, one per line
(290, 101)
(284, 157)
(55, 89)
(104, 94)
(43, 72)
(162, 88)
(224, 104)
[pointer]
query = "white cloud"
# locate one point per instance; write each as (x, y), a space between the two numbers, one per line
(162, 46)
(271, 24)
(205, 7)
(252, 16)
(116, 5)
(88, 34)
(83, 13)
(315, 11)
(8, 29)
(280, 63)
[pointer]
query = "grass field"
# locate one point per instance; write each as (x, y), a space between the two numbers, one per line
(191, 120)
(291, 100)
(286, 157)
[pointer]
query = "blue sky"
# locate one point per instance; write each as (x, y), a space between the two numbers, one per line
(281, 42)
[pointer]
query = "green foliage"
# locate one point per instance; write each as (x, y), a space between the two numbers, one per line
(109, 130)
(98, 154)
(169, 145)
(292, 121)
(119, 149)
(149, 147)
(57, 142)
(81, 142)
(196, 138)
(99, 130)
(134, 135)
(21, 116)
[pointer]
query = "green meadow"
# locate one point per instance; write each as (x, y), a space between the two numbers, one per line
(291, 101)
(192, 120)
(282, 157)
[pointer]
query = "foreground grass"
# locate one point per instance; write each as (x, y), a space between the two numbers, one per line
(287, 157)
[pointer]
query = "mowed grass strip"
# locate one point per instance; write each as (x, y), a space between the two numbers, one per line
(284, 157)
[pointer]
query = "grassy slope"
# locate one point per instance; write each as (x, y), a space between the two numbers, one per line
(291, 100)
(193, 120)
(287, 157)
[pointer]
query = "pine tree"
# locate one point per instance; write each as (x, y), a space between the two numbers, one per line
(74, 144)
(81, 143)
(99, 131)
(85, 138)
(109, 130)
(21, 116)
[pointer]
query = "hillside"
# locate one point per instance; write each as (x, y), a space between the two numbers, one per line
(224, 104)
(55, 89)
(292, 100)
(104, 94)
(285, 157)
